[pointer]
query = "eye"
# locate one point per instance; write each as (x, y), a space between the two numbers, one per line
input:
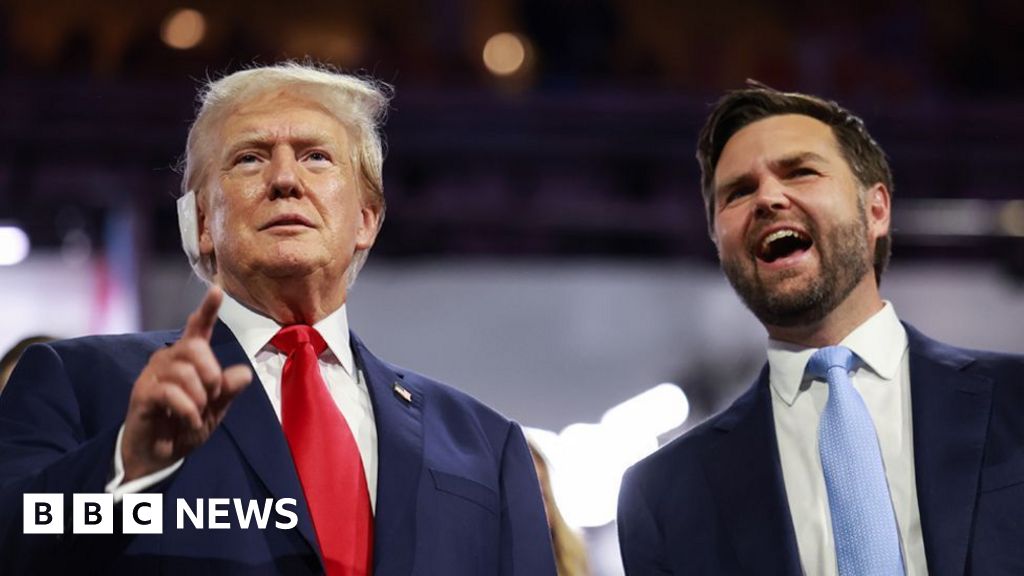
(247, 158)
(737, 193)
(803, 171)
(318, 156)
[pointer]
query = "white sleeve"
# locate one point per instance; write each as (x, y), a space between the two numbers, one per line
(118, 489)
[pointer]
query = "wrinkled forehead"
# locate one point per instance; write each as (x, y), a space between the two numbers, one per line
(267, 105)
(267, 99)
(281, 114)
(771, 139)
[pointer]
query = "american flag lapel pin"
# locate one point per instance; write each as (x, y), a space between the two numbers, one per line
(402, 392)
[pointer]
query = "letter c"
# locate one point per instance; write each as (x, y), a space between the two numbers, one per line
(135, 513)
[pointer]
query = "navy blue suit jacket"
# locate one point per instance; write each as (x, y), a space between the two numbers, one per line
(456, 493)
(714, 502)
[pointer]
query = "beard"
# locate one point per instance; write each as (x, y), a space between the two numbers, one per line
(844, 259)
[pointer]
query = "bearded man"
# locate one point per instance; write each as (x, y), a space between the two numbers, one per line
(864, 447)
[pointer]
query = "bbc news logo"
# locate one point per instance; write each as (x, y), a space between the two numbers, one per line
(144, 513)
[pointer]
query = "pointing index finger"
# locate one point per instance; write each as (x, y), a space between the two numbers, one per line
(200, 323)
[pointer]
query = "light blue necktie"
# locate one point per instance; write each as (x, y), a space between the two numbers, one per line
(863, 523)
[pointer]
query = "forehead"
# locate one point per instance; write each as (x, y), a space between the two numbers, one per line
(773, 138)
(281, 114)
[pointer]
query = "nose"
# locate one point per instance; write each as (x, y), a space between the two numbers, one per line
(283, 175)
(771, 196)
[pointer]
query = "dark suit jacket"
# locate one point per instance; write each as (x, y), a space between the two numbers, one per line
(714, 502)
(456, 493)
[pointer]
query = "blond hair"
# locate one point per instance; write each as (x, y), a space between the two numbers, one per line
(570, 551)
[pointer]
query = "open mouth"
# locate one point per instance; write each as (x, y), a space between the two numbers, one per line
(783, 243)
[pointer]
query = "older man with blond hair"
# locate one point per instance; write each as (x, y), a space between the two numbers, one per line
(265, 397)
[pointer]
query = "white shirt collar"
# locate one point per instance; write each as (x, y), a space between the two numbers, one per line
(879, 342)
(254, 331)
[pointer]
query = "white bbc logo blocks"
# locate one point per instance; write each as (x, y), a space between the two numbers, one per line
(93, 514)
(90, 514)
(43, 514)
(142, 514)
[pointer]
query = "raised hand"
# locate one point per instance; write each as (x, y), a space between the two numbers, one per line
(180, 397)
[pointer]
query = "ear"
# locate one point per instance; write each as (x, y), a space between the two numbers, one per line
(369, 224)
(879, 210)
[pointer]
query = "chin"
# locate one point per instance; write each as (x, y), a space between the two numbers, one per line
(289, 267)
(793, 308)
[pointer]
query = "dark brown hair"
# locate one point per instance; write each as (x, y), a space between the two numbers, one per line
(740, 108)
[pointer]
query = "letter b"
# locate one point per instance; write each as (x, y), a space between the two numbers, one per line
(42, 513)
(93, 514)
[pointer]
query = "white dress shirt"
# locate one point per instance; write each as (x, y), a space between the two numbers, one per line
(345, 383)
(883, 381)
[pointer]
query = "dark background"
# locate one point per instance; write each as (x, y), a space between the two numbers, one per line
(586, 151)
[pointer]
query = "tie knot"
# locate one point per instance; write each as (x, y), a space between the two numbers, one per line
(830, 357)
(290, 338)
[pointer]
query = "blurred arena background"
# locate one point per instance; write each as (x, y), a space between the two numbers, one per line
(545, 247)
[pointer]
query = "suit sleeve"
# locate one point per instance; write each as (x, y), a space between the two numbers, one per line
(45, 449)
(525, 537)
(640, 539)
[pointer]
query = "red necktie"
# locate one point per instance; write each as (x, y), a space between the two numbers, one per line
(326, 456)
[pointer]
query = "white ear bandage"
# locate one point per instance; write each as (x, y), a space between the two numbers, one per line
(188, 225)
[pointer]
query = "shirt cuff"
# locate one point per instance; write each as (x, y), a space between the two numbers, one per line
(139, 484)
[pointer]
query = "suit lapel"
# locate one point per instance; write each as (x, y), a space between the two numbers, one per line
(950, 411)
(253, 426)
(397, 410)
(745, 473)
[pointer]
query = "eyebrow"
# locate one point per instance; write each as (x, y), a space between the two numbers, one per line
(263, 139)
(777, 164)
(797, 159)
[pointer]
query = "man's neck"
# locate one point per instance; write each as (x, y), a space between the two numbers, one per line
(289, 300)
(860, 305)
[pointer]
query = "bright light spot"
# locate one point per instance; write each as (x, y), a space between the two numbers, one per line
(14, 245)
(183, 29)
(587, 460)
(547, 441)
(504, 54)
(653, 412)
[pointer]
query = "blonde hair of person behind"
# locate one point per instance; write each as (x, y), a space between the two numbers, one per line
(570, 551)
(358, 104)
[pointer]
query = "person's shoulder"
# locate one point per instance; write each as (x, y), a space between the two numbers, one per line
(683, 453)
(454, 420)
(687, 447)
(115, 343)
(445, 397)
(962, 358)
(434, 397)
(86, 361)
(999, 362)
